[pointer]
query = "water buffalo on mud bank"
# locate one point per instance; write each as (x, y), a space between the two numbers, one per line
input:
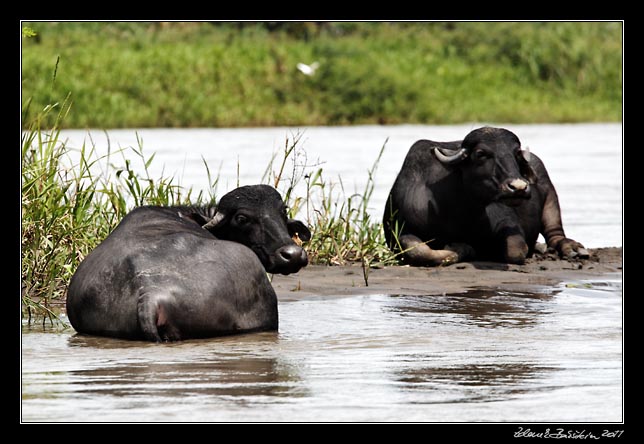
(171, 273)
(480, 198)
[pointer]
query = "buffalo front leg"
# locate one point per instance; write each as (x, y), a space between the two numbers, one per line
(153, 311)
(516, 249)
(416, 252)
(553, 232)
(509, 238)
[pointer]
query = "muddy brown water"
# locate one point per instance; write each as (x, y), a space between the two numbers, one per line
(546, 354)
(543, 354)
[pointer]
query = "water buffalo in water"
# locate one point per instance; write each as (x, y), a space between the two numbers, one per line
(482, 197)
(171, 273)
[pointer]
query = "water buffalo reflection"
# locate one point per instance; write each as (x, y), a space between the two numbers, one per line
(483, 307)
(231, 377)
(474, 382)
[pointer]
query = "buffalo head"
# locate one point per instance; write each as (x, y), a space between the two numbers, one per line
(492, 164)
(256, 217)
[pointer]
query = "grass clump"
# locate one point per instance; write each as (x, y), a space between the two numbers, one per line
(72, 198)
(341, 226)
(58, 216)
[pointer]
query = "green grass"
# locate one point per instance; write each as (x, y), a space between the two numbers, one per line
(223, 75)
(67, 208)
(73, 198)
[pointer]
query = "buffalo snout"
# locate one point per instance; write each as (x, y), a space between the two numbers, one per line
(515, 190)
(288, 259)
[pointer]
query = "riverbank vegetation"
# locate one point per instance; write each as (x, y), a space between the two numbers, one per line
(72, 198)
(245, 74)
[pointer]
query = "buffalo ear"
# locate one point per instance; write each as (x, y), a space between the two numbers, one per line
(526, 170)
(298, 227)
(216, 222)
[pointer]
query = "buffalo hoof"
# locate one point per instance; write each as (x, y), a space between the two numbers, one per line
(463, 251)
(418, 253)
(572, 249)
(583, 253)
(516, 250)
(516, 258)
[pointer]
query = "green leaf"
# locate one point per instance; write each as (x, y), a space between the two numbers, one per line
(147, 164)
(28, 32)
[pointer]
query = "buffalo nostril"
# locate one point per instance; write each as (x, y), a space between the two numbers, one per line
(286, 254)
(517, 185)
(292, 253)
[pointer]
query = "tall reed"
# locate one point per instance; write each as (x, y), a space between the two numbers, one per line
(73, 198)
(342, 228)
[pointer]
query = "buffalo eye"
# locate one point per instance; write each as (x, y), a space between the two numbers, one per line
(241, 219)
(481, 155)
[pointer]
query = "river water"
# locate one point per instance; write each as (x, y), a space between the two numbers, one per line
(546, 354)
(584, 161)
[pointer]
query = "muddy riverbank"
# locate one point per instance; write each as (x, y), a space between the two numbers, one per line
(541, 270)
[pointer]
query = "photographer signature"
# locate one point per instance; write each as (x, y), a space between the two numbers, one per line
(566, 434)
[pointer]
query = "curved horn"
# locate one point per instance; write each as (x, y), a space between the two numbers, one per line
(214, 222)
(450, 159)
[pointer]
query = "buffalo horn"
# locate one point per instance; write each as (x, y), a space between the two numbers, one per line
(450, 158)
(526, 153)
(215, 221)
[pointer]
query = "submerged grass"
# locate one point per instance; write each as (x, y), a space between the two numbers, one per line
(72, 198)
